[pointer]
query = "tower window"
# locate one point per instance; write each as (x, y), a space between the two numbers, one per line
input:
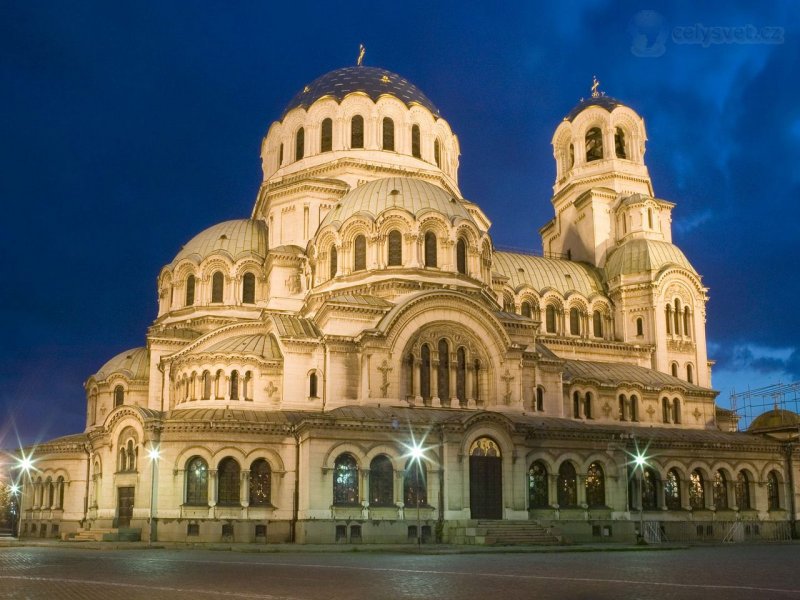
(234, 395)
(461, 256)
(571, 157)
(299, 144)
(395, 241)
(357, 132)
(550, 318)
(326, 136)
(597, 324)
(280, 155)
(687, 330)
(248, 288)
(443, 372)
(619, 144)
(334, 264)
(415, 145)
(689, 373)
(437, 153)
(594, 144)
(639, 327)
(539, 398)
(217, 286)
(360, 253)
(430, 249)
(119, 396)
(388, 134)
(574, 321)
(190, 285)
(525, 309)
(312, 385)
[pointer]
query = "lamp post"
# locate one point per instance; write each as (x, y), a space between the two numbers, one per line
(15, 508)
(153, 454)
(640, 462)
(417, 453)
(25, 466)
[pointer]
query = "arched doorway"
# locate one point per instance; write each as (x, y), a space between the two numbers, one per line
(485, 479)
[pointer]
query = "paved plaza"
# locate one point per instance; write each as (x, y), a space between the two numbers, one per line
(730, 572)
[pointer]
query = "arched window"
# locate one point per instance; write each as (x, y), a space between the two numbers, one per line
(219, 385)
(639, 327)
(299, 144)
(247, 385)
(206, 385)
(381, 478)
(60, 488)
(576, 405)
(345, 480)
(217, 286)
(676, 410)
(720, 489)
(649, 490)
(234, 395)
(461, 375)
(312, 385)
(668, 312)
(677, 317)
(623, 408)
(357, 132)
(415, 146)
(619, 143)
(666, 410)
(461, 256)
(248, 288)
(597, 324)
(334, 264)
(537, 486)
(190, 285)
(689, 373)
(595, 486)
(587, 405)
(443, 372)
(430, 249)
(525, 309)
(131, 452)
(742, 491)
(280, 156)
(260, 483)
(539, 398)
(359, 253)
(388, 134)
(567, 485)
(674, 369)
(672, 490)
(415, 486)
(697, 494)
(228, 482)
(425, 372)
(550, 318)
(51, 492)
(571, 156)
(574, 321)
(119, 396)
(395, 241)
(197, 482)
(437, 153)
(773, 493)
(650, 218)
(634, 412)
(687, 321)
(326, 135)
(594, 144)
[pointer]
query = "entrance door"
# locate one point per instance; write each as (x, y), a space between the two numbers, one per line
(485, 480)
(124, 506)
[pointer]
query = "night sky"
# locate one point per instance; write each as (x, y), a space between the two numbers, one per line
(127, 129)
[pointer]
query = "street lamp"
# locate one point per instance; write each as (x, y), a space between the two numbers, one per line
(15, 489)
(640, 463)
(25, 464)
(417, 453)
(153, 454)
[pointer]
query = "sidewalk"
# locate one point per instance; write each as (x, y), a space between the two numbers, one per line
(439, 549)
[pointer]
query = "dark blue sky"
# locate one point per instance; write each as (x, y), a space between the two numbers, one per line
(128, 129)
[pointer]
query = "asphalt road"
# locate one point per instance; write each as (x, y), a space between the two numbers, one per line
(719, 573)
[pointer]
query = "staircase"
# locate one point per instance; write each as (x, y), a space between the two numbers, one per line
(503, 533)
(105, 535)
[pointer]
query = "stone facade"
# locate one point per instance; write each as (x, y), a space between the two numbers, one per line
(300, 356)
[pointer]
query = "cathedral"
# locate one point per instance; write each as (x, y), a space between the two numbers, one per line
(356, 362)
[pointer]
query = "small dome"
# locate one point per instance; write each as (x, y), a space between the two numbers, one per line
(413, 195)
(644, 256)
(133, 364)
(541, 273)
(371, 81)
(236, 239)
(775, 419)
(259, 345)
(603, 101)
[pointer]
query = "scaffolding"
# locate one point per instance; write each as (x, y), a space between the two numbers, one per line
(752, 403)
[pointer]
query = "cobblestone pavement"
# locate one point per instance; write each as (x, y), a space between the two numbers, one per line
(730, 572)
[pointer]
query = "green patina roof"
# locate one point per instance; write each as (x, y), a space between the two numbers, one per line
(413, 195)
(644, 256)
(236, 239)
(541, 273)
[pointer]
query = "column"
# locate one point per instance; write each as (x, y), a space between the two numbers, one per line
(454, 402)
(435, 382)
(580, 482)
(468, 388)
(415, 379)
(212, 487)
(244, 489)
(661, 496)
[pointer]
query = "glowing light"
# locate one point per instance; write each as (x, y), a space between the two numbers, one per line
(416, 452)
(154, 453)
(14, 489)
(25, 464)
(640, 460)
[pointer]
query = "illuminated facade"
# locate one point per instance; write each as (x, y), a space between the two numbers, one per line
(300, 354)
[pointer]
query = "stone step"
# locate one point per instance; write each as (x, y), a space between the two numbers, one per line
(514, 533)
